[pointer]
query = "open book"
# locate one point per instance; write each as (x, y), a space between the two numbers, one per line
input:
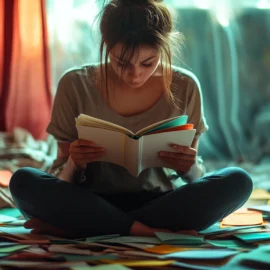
(135, 151)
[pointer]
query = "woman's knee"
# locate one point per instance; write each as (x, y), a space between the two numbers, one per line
(20, 181)
(240, 180)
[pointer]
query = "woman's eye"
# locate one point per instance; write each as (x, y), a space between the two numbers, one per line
(121, 64)
(124, 64)
(147, 65)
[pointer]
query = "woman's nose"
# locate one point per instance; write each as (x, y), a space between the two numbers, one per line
(134, 73)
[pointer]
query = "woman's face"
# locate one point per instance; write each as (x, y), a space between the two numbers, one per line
(139, 69)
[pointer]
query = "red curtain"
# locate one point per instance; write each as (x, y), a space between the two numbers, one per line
(25, 86)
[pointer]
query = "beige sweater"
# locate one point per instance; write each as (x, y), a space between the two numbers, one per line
(77, 94)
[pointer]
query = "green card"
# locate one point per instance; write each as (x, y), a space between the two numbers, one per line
(132, 239)
(180, 239)
(12, 212)
(13, 248)
(6, 219)
(181, 120)
(253, 237)
(193, 266)
(75, 258)
(102, 237)
(235, 244)
(14, 230)
(203, 254)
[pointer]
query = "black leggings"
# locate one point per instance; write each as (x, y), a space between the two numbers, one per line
(76, 209)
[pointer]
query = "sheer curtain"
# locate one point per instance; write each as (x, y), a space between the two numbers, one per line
(227, 47)
(25, 87)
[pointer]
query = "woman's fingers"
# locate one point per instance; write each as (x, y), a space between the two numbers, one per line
(87, 149)
(179, 165)
(80, 157)
(81, 142)
(83, 152)
(178, 156)
(184, 149)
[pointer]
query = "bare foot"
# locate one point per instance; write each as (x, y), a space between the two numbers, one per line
(40, 227)
(189, 232)
(139, 229)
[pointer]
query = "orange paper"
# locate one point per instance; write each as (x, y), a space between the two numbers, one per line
(137, 263)
(5, 176)
(243, 217)
(183, 127)
(167, 249)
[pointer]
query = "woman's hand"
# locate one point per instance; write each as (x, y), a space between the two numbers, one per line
(181, 160)
(83, 152)
(40, 227)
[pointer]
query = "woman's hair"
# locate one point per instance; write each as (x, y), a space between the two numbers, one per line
(135, 23)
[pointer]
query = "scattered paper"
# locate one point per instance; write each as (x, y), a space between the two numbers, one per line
(214, 231)
(263, 208)
(193, 266)
(256, 259)
(180, 239)
(260, 194)
(109, 267)
(74, 258)
(12, 212)
(253, 237)
(14, 248)
(243, 217)
(6, 219)
(139, 263)
(206, 254)
(102, 237)
(234, 244)
(167, 249)
(132, 239)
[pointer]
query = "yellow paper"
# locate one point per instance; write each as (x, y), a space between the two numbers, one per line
(135, 263)
(260, 194)
(243, 217)
(167, 249)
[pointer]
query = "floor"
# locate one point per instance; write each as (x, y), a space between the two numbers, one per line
(219, 247)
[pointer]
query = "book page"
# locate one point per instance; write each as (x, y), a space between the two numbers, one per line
(132, 156)
(167, 123)
(86, 120)
(112, 141)
(120, 149)
(151, 145)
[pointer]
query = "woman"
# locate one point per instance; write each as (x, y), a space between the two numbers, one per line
(134, 85)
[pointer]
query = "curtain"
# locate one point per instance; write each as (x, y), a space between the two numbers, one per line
(228, 48)
(26, 97)
(1, 43)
